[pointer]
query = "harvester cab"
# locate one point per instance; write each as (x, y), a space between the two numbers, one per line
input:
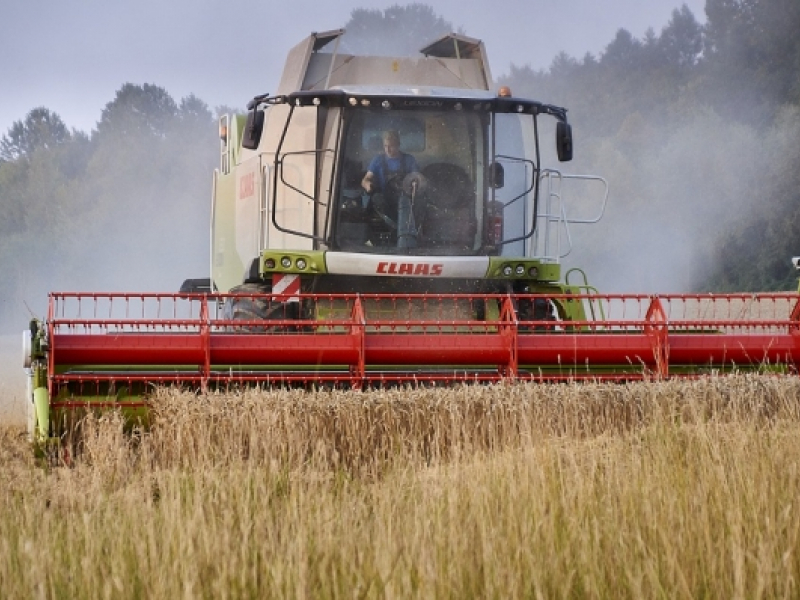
(310, 197)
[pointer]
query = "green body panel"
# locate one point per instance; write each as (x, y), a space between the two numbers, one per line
(41, 402)
(314, 261)
(274, 261)
(545, 272)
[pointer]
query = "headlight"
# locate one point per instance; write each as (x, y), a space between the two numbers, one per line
(507, 270)
(286, 262)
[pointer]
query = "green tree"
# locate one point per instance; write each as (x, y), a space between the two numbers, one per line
(623, 53)
(752, 57)
(730, 27)
(43, 209)
(40, 129)
(681, 41)
(395, 31)
(126, 209)
(148, 186)
(138, 109)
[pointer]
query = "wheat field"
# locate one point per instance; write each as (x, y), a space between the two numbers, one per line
(678, 489)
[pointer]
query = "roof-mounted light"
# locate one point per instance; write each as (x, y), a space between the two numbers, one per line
(386, 104)
(504, 92)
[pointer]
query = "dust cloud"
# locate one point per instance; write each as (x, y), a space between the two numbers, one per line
(12, 381)
(675, 189)
(160, 265)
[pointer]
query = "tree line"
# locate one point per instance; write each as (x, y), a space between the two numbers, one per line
(123, 208)
(695, 128)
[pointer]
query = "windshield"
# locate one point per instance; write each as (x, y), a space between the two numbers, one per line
(425, 182)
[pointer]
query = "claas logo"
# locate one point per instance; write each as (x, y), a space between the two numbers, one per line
(405, 268)
(247, 185)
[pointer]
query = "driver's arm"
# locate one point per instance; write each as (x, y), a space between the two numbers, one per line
(368, 183)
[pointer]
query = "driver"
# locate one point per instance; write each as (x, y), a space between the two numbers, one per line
(393, 164)
(393, 181)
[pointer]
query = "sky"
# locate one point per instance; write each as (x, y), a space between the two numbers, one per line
(71, 56)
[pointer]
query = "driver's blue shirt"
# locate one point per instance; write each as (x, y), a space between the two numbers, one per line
(384, 167)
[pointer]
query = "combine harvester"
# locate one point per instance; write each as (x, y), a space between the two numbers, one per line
(446, 270)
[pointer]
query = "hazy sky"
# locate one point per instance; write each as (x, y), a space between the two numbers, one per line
(71, 56)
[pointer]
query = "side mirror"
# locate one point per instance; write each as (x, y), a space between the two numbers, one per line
(497, 175)
(564, 141)
(253, 128)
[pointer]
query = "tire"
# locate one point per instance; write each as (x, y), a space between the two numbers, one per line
(256, 308)
(245, 309)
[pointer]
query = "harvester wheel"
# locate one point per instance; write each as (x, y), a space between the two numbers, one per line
(256, 307)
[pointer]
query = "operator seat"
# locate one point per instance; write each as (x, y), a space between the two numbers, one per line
(450, 214)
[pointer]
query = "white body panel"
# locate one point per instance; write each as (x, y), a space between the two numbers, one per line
(248, 188)
(293, 209)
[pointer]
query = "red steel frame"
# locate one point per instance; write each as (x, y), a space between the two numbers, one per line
(114, 338)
